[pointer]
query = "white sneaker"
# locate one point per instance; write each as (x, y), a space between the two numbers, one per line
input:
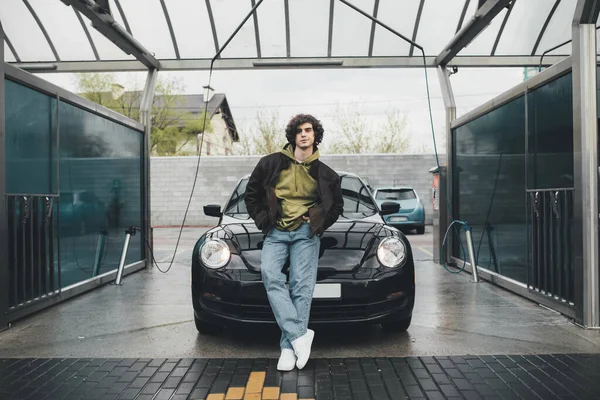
(287, 360)
(302, 347)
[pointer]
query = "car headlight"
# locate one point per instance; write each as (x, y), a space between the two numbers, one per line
(391, 252)
(215, 253)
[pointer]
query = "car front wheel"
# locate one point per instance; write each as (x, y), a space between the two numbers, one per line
(421, 230)
(207, 328)
(397, 326)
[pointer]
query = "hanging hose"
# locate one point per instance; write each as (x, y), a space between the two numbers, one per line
(462, 224)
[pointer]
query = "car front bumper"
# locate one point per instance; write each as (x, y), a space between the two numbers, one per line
(376, 299)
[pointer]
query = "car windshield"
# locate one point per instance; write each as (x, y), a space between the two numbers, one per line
(357, 199)
(395, 194)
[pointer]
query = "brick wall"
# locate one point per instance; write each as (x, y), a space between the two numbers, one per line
(172, 180)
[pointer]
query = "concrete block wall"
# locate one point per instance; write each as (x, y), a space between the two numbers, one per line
(172, 179)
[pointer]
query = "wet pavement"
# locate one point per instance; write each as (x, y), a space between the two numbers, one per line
(149, 319)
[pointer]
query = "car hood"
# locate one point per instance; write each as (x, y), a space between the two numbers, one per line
(344, 245)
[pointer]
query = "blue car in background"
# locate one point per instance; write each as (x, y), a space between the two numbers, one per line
(412, 212)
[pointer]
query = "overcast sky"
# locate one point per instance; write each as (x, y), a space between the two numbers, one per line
(372, 91)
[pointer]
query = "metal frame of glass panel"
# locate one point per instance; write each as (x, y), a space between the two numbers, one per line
(548, 75)
(585, 149)
(38, 84)
(4, 284)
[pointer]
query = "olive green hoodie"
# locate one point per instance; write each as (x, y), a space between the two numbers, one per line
(296, 190)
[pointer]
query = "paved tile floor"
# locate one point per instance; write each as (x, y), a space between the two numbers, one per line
(138, 341)
(543, 377)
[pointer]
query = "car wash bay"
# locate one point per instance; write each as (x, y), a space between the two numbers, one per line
(526, 330)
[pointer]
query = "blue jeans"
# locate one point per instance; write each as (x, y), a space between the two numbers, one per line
(291, 306)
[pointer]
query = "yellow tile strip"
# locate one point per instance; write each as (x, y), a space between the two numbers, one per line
(235, 394)
(216, 396)
(255, 382)
(270, 393)
(289, 396)
(252, 396)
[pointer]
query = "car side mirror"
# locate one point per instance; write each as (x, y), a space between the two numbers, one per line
(389, 207)
(213, 210)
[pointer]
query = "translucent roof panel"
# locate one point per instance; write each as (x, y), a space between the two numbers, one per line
(351, 31)
(438, 24)
(116, 9)
(400, 16)
(228, 15)
(8, 55)
(107, 50)
(559, 28)
(524, 26)
(189, 17)
(139, 13)
(68, 37)
(484, 43)
(24, 32)
(271, 23)
(305, 25)
(309, 27)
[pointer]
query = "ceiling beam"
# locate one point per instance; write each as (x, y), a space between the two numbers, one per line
(289, 63)
(471, 30)
(106, 25)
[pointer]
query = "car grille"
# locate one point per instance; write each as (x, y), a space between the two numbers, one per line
(320, 310)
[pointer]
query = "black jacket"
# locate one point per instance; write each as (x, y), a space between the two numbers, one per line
(262, 203)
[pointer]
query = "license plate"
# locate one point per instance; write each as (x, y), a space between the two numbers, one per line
(398, 219)
(328, 291)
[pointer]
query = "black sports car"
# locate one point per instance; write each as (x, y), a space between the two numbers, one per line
(366, 270)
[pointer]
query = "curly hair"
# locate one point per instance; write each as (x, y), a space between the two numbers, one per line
(292, 128)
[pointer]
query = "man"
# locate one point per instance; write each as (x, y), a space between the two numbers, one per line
(293, 198)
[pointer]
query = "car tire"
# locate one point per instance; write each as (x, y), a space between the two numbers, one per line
(420, 230)
(397, 326)
(206, 327)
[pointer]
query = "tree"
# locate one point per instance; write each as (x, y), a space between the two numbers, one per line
(265, 136)
(392, 136)
(351, 131)
(355, 134)
(172, 128)
(271, 135)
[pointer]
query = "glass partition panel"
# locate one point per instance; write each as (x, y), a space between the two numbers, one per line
(490, 176)
(100, 193)
(30, 140)
(550, 135)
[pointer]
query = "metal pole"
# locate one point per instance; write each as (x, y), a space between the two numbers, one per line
(450, 106)
(585, 158)
(146, 120)
(99, 250)
(128, 234)
(4, 269)
(471, 254)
